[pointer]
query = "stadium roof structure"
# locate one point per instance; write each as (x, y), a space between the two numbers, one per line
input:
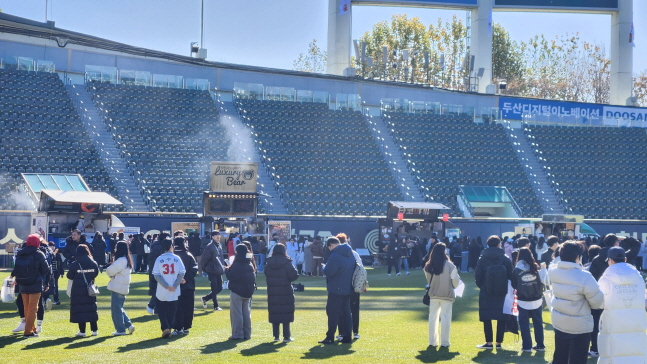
(81, 197)
(38, 182)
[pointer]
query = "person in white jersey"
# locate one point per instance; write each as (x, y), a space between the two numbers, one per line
(168, 271)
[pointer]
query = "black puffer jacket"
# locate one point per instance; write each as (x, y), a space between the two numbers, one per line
(99, 247)
(70, 249)
(242, 278)
(42, 267)
(599, 264)
(491, 308)
(156, 251)
(191, 268)
(83, 307)
(279, 274)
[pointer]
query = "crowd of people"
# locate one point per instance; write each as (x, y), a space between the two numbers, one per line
(172, 263)
(596, 295)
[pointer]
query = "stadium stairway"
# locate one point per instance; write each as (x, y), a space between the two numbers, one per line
(272, 202)
(534, 171)
(105, 145)
(392, 155)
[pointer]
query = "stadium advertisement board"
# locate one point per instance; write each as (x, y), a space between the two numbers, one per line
(233, 177)
(562, 111)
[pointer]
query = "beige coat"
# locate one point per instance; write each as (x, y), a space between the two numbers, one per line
(442, 286)
(575, 292)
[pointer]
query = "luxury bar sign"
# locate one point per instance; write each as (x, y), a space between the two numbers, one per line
(233, 177)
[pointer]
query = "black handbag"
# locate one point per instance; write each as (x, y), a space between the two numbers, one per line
(426, 298)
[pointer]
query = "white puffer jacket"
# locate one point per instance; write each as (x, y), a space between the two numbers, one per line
(622, 337)
(575, 292)
(119, 274)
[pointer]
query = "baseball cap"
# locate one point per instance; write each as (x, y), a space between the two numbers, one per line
(616, 253)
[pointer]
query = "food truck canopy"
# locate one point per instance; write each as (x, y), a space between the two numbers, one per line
(419, 205)
(81, 197)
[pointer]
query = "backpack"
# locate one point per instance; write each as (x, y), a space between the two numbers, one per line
(496, 280)
(25, 270)
(360, 279)
(529, 286)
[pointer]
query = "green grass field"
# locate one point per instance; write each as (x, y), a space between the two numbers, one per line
(393, 329)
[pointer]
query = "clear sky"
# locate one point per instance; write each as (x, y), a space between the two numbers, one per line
(273, 33)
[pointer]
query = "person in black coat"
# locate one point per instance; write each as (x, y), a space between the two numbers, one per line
(184, 314)
(242, 282)
(474, 254)
(83, 307)
(491, 307)
(393, 257)
(140, 250)
(71, 243)
(156, 251)
(99, 246)
(279, 274)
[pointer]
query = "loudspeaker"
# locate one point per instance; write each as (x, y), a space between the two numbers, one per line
(480, 72)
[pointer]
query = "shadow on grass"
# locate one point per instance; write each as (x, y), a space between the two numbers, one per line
(328, 351)
(433, 354)
(6, 315)
(85, 343)
(264, 348)
(219, 346)
(8, 340)
(50, 343)
(499, 356)
(146, 344)
(142, 319)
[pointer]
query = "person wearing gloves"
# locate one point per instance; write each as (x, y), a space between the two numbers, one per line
(623, 322)
(529, 282)
(442, 277)
(119, 272)
(575, 293)
(242, 282)
(168, 271)
(184, 314)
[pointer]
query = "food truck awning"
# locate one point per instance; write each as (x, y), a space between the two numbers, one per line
(419, 205)
(81, 197)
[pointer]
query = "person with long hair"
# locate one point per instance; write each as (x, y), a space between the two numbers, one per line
(279, 274)
(442, 277)
(119, 272)
(529, 281)
(242, 280)
(83, 307)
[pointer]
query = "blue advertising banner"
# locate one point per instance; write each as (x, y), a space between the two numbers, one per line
(577, 4)
(513, 108)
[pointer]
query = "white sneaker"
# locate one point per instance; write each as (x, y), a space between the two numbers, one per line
(288, 340)
(389, 274)
(48, 304)
(20, 328)
(117, 333)
(80, 334)
(408, 273)
(95, 333)
(131, 329)
(150, 310)
(339, 337)
(356, 336)
(398, 274)
(39, 328)
(593, 354)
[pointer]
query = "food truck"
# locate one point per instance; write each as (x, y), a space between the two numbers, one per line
(64, 202)
(414, 219)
